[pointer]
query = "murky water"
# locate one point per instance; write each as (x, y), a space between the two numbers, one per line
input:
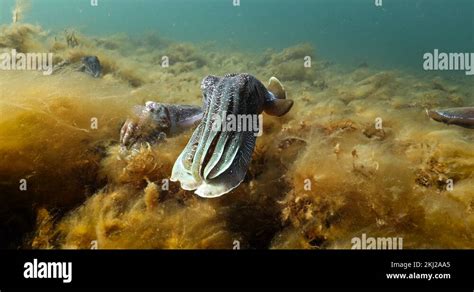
(356, 154)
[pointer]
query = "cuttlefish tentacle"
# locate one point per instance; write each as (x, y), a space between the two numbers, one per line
(154, 121)
(460, 116)
(216, 160)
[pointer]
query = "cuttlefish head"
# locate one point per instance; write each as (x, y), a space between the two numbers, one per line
(217, 156)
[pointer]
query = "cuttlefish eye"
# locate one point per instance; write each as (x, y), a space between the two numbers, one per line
(216, 159)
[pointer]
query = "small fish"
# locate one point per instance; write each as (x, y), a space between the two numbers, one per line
(215, 161)
(460, 116)
(91, 65)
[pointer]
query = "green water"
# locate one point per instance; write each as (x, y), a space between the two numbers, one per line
(344, 31)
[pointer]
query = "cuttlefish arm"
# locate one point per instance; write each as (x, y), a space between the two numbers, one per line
(215, 161)
(460, 116)
(154, 121)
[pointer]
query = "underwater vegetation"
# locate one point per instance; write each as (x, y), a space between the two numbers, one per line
(319, 175)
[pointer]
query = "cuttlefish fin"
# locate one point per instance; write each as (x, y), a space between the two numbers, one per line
(278, 107)
(277, 104)
(275, 87)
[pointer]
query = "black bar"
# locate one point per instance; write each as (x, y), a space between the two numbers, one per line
(239, 268)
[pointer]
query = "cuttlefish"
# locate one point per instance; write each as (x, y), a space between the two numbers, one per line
(91, 65)
(216, 158)
(460, 116)
(88, 64)
(155, 121)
